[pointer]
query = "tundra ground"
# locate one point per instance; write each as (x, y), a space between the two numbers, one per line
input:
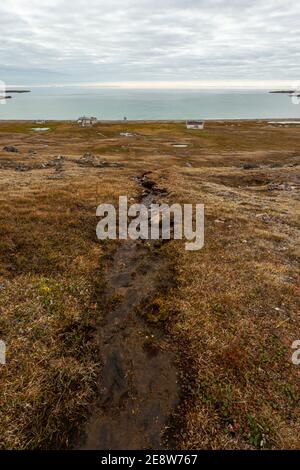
(226, 316)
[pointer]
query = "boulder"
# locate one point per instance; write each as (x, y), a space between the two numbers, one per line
(10, 148)
(250, 166)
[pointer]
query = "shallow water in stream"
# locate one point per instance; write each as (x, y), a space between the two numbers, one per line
(138, 387)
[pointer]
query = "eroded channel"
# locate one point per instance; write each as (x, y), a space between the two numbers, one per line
(138, 387)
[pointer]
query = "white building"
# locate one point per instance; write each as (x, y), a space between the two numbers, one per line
(87, 121)
(195, 124)
(284, 123)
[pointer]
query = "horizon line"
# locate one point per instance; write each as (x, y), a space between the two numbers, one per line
(163, 84)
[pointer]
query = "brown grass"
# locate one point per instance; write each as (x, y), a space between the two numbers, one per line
(237, 315)
(231, 310)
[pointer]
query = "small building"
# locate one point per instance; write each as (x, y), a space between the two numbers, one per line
(85, 121)
(283, 123)
(195, 124)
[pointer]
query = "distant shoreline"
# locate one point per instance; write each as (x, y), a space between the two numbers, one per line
(282, 91)
(150, 107)
(17, 91)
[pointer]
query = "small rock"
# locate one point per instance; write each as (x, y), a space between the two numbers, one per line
(264, 218)
(217, 221)
(250, 166)
(87, 158)
(278, 187)
(22, 168)
(275, 165)
(10, 148)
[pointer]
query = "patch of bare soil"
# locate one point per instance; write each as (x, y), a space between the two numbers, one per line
(270, 179)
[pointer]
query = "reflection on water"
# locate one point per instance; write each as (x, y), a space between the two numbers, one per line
(115, 103)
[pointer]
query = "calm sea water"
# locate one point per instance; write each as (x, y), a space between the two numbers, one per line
(115, 103)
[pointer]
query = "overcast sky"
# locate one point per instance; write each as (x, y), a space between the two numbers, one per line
(113, 41)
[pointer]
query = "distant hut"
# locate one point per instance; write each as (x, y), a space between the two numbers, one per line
(85, 121)
(195, 124)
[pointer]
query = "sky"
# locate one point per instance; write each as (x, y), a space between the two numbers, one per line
(150, 43)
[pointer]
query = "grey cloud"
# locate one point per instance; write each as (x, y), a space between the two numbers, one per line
(113, 40)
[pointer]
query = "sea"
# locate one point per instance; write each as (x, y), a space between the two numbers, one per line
(108, 103)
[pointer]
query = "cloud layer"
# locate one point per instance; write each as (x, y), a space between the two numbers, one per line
(75, 41)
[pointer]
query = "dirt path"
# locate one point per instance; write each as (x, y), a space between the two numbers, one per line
(138, 387)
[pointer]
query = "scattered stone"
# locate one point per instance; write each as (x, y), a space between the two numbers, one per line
(250, 166)
(279, 187)
(217, 221)
(22, 168)
(263, 217)
(87, 159)
(56, 163)
(276, 165)
(90, 160)
(10, 148)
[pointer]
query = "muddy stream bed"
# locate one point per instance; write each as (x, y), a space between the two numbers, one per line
(138, 386)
